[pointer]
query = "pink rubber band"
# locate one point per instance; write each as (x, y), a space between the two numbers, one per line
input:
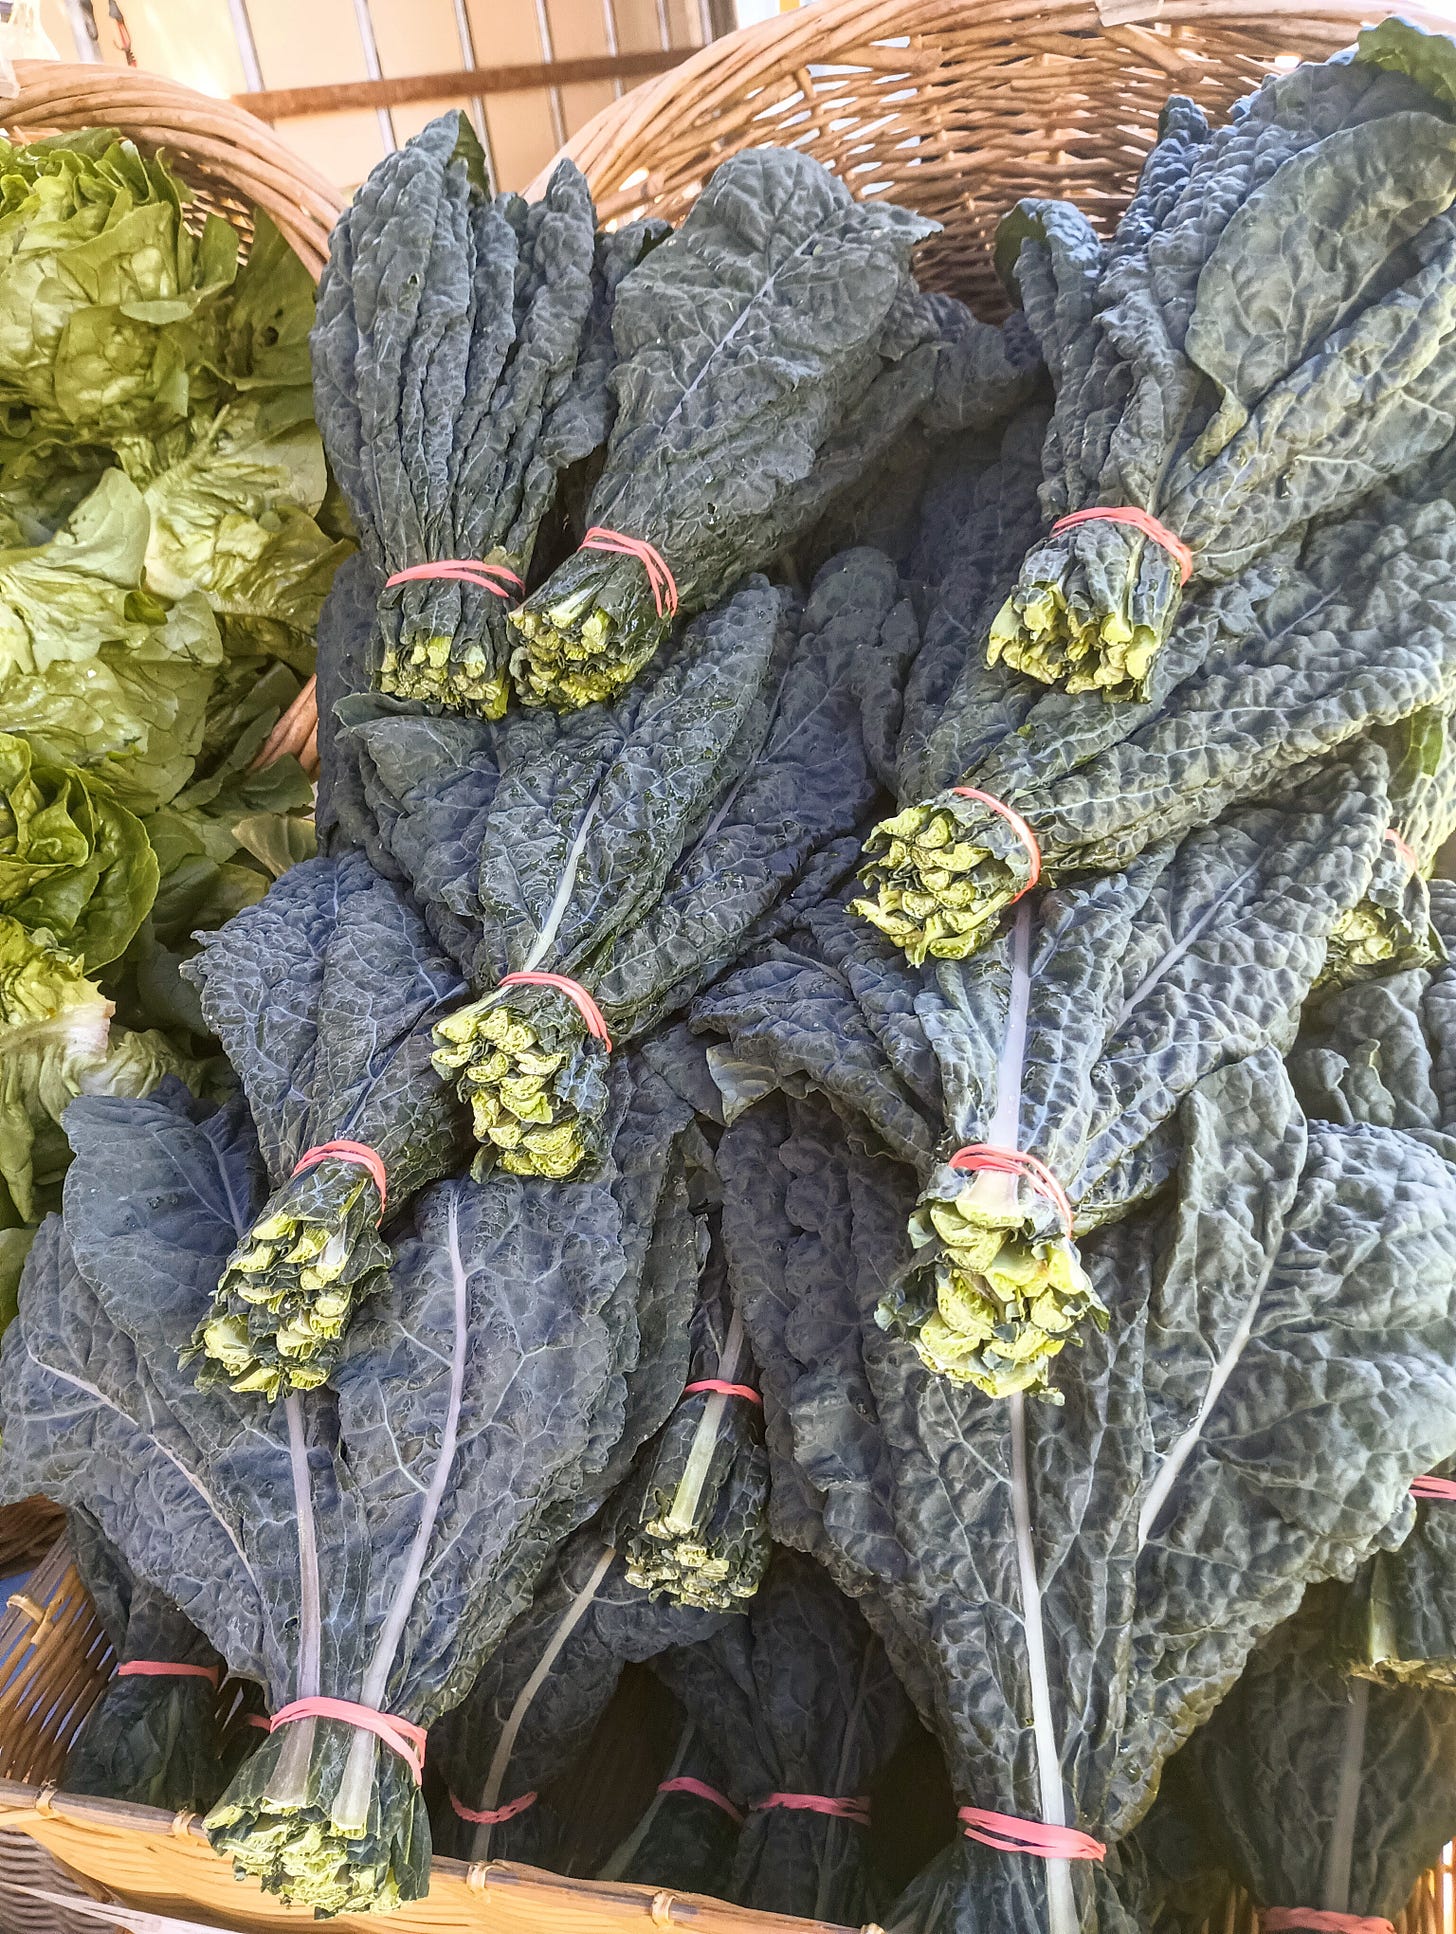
(662, 581)
(166, 1669)
(493, 1816)
(356, 1152)
(1441, 1488)
(977, 1156)
(1402, 849)
(1018, 826)
(1140, 520)
(1007, 1834)
(700, 1790)
(399, 1735)
(1319, 1920)
(856, 1810)
(261, 1721)
(574, 992)
(464, 570)
(744, 1390)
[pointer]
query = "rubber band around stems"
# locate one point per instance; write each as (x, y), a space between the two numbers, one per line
(574, 991)
(401, 1736)
(168, 1669)
(492, 1816)
(744, 1390)
(979, 1157)
(1005, 1833)
(359, 1153)
(856, 1811)
(1402, 850)
(700, 1790)
(1321, 1920)
(1140, 520)
(464, 570)
(1442, 1489)
(1018, 826)
(659, 577)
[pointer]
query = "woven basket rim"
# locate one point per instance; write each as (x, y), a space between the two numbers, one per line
(813, 35)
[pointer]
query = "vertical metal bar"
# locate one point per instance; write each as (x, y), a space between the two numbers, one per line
(84, 30)
(705, 21)
(477, 105)
(664, 26)
(612, 39)
(553, 94)
(375, 72)
(247, 45)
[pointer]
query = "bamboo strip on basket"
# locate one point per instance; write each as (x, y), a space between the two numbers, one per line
(163, 1864)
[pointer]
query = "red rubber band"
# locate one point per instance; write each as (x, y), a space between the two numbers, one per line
(1319, 1920)
(1441, 1488)
(978, 1156)
(856, 1810)
(662, 581)
(399, 1735)
(744, 1390)
(1018, 826)
(1007, 1834)
(492, 1816)
(574, 992)
(1140, 520)
(166, 1669)
(464, 570)
(1402, 849)
(357, 1152)
(700, 1789)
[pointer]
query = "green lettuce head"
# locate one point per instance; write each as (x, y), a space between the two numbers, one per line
(73, 862)
(94, 667)
(108, 321)
(57, 1042)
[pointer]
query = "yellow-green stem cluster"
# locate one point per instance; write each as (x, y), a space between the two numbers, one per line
(997, 1300)
(511, 1082)
(288, 1290)
(941, 874)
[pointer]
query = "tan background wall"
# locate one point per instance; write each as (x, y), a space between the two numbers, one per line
(304, 43)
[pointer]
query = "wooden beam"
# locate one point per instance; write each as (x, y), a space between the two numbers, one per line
(278, 103)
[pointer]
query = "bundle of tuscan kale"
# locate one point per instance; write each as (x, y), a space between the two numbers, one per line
(1270, 332)
(590, 874)
(1035, 1088)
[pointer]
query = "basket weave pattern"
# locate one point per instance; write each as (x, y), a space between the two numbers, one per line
(952, 107)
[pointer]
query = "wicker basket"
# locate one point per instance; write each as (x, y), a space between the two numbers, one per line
(953, 107)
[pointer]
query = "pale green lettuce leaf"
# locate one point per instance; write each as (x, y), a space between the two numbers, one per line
(92, 666)
(72, 860)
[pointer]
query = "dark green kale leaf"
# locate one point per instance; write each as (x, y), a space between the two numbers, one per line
(1072, 1039)
(533, 1708)
(372, 1545)
(799, 1699)
(1321, 1792)
(768, 352)
(150, 1739)
(685, 1839)
(323, 995)
(1228, 380)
